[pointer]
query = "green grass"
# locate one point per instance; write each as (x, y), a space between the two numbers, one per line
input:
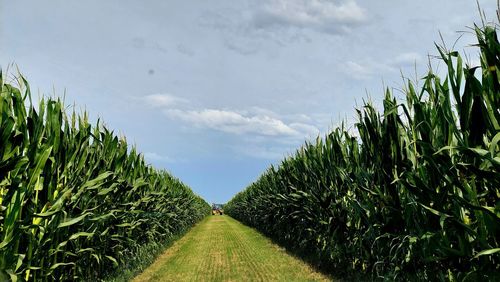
(220, 248)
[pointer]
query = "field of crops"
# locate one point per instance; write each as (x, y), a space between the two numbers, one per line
(76, 202)
(413, 193)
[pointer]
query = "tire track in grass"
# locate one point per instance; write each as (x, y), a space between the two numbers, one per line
(222, 249)
(257, 256)
(213, 260)
(207, 247)
(248, 254)
(243, 258)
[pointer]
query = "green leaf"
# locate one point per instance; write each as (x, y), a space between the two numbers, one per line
(54, 266)
(494, 143)
(80, 234)
(72, 221)
(39, 166)
(115, 262)
(487, 252)
(85, 250)
(94, 183)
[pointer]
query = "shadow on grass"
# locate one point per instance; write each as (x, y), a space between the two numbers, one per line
(345, 273)
(314, 261)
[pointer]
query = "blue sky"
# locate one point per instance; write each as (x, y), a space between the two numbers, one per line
(217, 91)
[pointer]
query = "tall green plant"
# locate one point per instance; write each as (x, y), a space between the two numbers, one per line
(415, 194)
(75, 201)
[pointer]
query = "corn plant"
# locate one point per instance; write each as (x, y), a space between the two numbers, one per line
(76, 202)
(415, 194)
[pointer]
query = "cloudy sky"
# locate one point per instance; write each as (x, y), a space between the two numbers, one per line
(216, 91)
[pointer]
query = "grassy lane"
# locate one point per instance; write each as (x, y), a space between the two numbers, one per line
(221, 249)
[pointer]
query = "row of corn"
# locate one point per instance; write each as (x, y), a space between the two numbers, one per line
(413, 194)
(76, 202)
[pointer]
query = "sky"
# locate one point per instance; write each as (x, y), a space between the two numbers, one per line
(217, 91)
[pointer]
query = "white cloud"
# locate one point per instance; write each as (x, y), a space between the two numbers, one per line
(320, 15)
(255, 120)
(407, 59)
(154, 157)
(237, 123)
(261, 152)
(164, 100)
(305, 129)
(281, 22)
(357, 71)
(367, 69)
(259, 111)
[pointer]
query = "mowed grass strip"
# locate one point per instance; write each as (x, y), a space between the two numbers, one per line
(222, 249)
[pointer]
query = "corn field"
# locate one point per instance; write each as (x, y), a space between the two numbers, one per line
(76, 202)
(413, 194)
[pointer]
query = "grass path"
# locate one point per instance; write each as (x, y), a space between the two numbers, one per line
(222, 249)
